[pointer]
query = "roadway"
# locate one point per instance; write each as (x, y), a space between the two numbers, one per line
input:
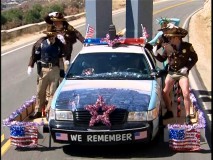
(17, 87)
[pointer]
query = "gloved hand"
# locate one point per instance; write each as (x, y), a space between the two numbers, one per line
(66, 62)
(154, 50)
(52, 14)
(62, 73)
(29, 70)
(61, 38)
(184, 70)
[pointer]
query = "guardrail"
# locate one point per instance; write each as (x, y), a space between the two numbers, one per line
(31, 28)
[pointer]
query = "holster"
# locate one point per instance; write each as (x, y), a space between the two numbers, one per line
(39, 67)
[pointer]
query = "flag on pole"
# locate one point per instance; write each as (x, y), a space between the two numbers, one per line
(144, 33)
(89, 32)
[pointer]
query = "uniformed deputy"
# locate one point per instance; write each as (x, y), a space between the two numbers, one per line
(47, 53)
(181, 58)
(70, 34)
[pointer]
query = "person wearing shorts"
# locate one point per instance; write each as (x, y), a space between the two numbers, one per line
(181, 58)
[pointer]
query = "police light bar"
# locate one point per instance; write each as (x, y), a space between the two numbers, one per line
(97, 41)
(135, 41)
(104, 41)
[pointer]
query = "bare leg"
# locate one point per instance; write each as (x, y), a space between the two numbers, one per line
(169, 82)
(184, 84)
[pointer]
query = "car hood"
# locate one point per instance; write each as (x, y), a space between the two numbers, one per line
(132, 95)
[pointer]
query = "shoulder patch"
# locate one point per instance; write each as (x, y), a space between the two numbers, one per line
(192, 49)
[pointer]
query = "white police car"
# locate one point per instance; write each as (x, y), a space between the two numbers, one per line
(111, 94)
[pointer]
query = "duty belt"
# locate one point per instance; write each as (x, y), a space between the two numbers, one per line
(172, 70)
(48, 65)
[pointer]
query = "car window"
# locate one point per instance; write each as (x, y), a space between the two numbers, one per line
(110, 65)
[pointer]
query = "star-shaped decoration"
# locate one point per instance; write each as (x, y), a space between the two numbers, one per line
(96, 118)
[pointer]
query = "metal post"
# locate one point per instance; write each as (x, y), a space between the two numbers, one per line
(138, 12)
(99, 16)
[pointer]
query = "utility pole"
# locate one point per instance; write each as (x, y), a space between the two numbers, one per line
(138, 12)
(99, 16)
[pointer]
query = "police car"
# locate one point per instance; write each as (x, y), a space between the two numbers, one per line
(111, 94)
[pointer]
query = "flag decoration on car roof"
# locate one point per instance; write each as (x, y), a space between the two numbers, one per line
(144, 33)
(89, 32)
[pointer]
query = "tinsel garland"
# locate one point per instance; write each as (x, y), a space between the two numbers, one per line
(10, 120)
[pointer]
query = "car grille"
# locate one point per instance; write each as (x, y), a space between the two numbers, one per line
(82, 117)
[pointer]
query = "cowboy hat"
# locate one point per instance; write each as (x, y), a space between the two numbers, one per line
(57, 17)
(50, 31)
(175, 32)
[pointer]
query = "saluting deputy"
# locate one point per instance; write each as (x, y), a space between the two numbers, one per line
(57, 21)
(47, 52)
(181, 58)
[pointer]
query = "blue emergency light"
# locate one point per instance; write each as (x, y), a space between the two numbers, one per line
(97, 41)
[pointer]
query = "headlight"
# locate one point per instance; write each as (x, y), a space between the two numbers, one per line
(137, 116)
(64, 115)
(51, 114)
(153, 114)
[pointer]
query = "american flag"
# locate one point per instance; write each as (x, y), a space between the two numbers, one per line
(61, 136)
(140, 135)
(24, 136)
(89, 32)
(184, 140)
(144, 32)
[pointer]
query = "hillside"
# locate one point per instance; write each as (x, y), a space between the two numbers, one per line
(200, 36)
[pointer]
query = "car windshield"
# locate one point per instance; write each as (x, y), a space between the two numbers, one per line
(115, 66)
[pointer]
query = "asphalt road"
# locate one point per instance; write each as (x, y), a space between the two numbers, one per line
(17, 87)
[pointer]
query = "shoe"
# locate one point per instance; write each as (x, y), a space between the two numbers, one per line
(35, 115)
(168, 114)
(188, 120)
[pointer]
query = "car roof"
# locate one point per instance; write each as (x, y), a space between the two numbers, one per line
(106, 48)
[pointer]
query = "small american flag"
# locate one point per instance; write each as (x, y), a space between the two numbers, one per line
(140, 135)
(184, 140)
(61, 136)
(144, 32)
(89, 32)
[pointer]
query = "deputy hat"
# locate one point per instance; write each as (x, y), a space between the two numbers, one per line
(58, 17)
(173, 32)
(50, 31)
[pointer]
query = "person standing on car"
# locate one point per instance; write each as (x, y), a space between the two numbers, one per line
(57, 21)
(47, 52)
(181, 58)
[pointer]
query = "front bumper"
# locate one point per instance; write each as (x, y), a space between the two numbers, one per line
(131, 132)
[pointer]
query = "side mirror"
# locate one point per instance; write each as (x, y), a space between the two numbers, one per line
(158, 73)
(154, 73)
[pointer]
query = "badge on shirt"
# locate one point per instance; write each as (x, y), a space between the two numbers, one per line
(184, 50)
